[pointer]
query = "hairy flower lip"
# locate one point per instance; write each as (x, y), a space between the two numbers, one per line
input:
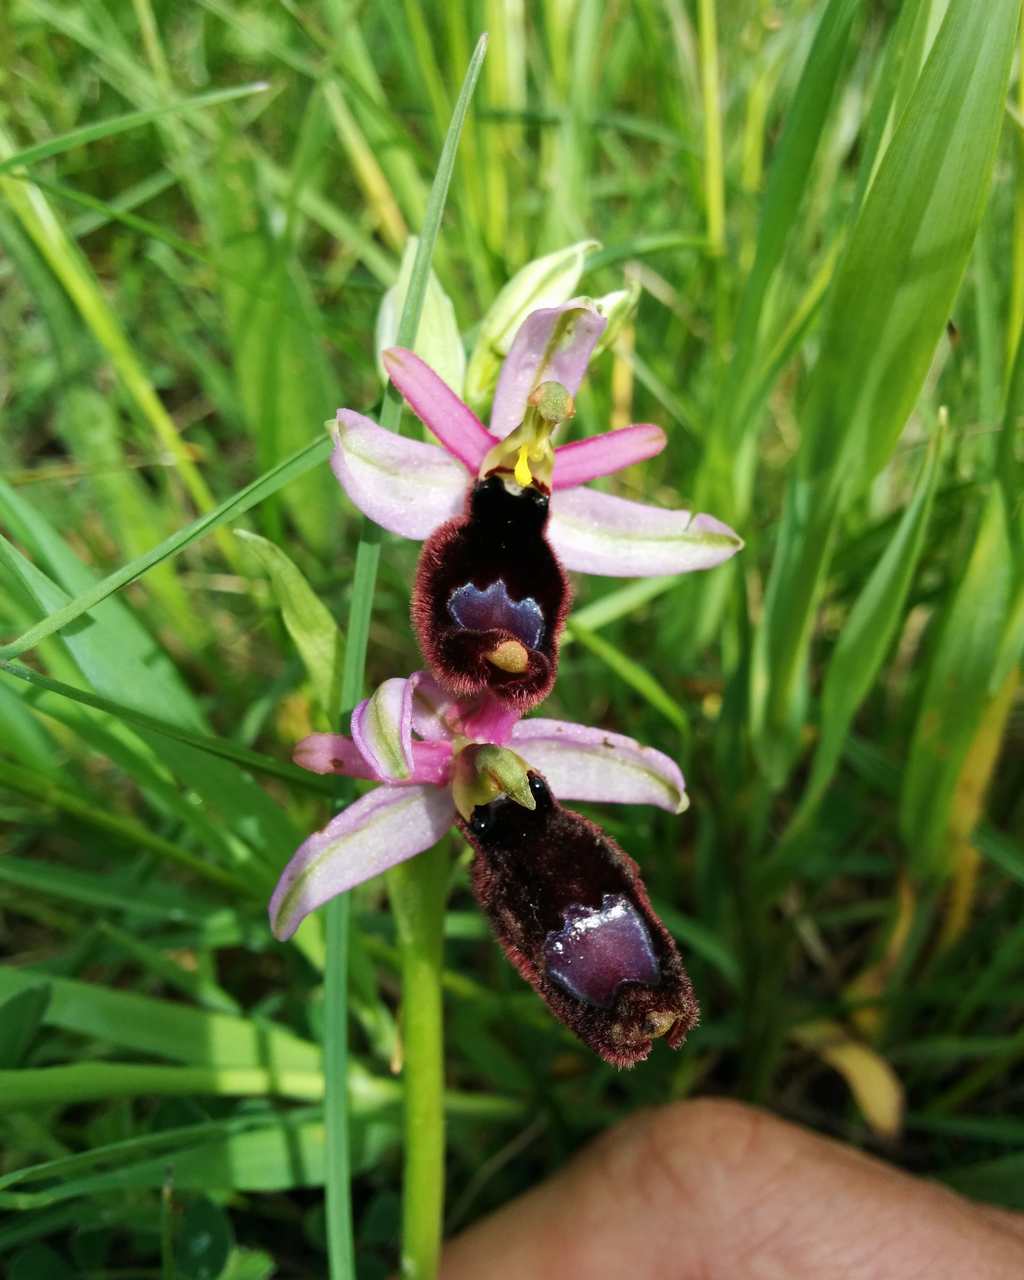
(410, 730)
(570, 910)
(497, 551)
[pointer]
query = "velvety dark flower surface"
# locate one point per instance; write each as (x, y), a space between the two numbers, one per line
(503, 513)
(490, 597)
(572, 914)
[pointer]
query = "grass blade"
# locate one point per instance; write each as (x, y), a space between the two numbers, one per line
(118, 124)
(297, 464)
(888, 307)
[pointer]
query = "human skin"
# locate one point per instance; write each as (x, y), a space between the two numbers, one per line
(714, 1190)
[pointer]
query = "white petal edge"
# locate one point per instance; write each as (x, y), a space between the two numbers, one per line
(597, 533)
(377, 832)
(584, 763)
(405, 486)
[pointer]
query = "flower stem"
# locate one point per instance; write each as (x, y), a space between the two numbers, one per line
(337, 1174)
(418, 889)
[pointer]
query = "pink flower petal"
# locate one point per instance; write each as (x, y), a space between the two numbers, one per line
(378, 831)
(552, 345)
(596, 533)
(488, 721)
(602, 455)
(583, 763)
(382, 730)
(332, 753)
(438, 407)
(432, 762)
(433, 709)
(405, 486)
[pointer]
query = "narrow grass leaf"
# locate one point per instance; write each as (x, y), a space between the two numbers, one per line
(632, 673)
(119, 124)
(21, 1016)
(957, 690)
(222, 748)
(416, 888)
(165, 1028)
(788, 180)
(867, 634)
(303, 460)
(112, 650)
(307, 619)
(888, 307)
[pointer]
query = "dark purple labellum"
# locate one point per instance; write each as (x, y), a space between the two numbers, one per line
(490, 598)
(571, 912)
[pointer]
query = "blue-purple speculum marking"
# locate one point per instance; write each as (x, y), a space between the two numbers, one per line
(492, 609)
(600, 948)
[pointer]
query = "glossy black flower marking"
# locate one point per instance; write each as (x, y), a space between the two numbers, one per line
(490, 597)
(571, 912)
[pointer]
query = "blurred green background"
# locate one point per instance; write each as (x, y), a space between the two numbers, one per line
(821, 206)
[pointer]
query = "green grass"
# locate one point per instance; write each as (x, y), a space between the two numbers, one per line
(189, 280)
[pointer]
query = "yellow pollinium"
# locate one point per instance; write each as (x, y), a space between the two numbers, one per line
(522, 471)
(527, 452)
(511, 656)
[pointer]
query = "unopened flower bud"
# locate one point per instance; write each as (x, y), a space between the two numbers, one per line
(544, 282)
(618, 308)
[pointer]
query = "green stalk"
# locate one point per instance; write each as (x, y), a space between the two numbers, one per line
(714, 166)
(1016, 316)
(416, 887)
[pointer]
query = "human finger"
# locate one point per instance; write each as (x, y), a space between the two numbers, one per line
(721, 1191)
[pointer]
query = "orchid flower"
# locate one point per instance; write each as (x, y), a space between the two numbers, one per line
(504, 510)
(592, 946)
(410, 487)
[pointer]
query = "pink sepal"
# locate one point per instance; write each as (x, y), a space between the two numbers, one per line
(597, 533)
(584, 460)
(584, 763)
(553, 344)
(405, 486)
(438, 407)
(377, 832)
